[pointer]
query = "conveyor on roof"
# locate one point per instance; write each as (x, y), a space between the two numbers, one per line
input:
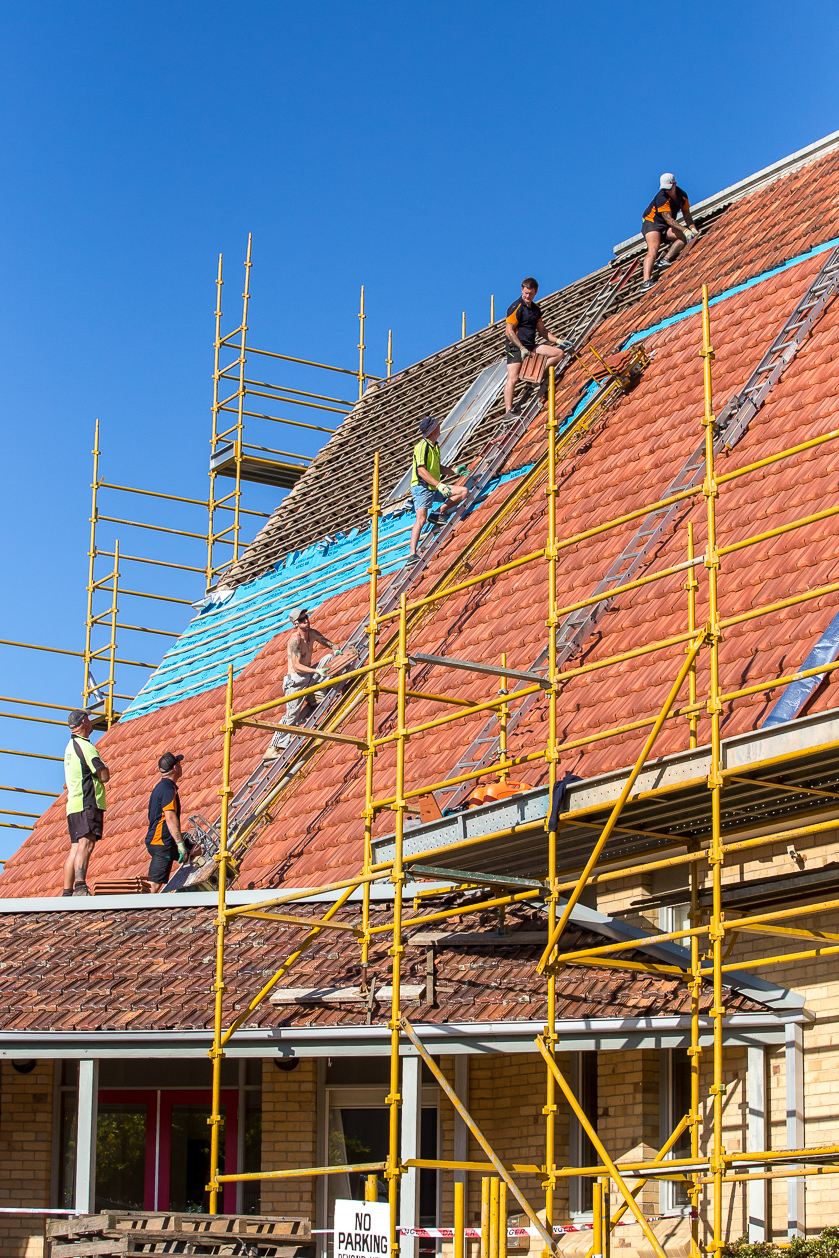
(775, 777)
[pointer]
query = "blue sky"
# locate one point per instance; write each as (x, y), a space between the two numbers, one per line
(434, 153)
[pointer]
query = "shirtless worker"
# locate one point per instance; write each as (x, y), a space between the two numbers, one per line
(302, 674)
(659, 223)
(524, 320)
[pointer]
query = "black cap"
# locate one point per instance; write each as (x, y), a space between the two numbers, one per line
(76, 717)
(167, 762)
(427, 423)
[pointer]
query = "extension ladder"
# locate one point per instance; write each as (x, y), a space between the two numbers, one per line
(248, 809)
(731, 426)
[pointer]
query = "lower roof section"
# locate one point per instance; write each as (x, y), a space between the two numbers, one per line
(606, 1035)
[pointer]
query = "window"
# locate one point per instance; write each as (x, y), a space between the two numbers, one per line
(581, 1150)
(674, 1103)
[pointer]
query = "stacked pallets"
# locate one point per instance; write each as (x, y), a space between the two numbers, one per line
(110, 1234)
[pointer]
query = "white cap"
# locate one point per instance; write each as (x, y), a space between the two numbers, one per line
(667, 180)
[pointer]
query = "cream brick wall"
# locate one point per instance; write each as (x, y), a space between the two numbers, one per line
(289, 1136)
(25, 1144)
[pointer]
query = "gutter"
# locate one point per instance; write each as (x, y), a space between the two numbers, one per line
(458, 1038)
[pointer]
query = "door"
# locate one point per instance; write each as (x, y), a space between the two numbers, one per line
(153, 1150)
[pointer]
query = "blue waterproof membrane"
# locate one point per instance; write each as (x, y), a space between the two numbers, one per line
(237, 630)
(795, 695)
(731, 292)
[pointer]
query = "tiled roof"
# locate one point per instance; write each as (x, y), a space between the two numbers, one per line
(316, 829)
(131, 970)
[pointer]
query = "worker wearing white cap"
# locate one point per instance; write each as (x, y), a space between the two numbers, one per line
(302, 674)
(659, 224)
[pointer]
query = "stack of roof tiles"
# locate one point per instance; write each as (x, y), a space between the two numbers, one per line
(757, 257)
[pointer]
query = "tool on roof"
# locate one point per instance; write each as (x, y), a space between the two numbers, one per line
(249, 804)
(732, 424)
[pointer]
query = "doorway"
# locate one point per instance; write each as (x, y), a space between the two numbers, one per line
(153, 1150)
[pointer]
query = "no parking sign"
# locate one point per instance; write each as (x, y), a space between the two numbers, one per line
(362, 1229)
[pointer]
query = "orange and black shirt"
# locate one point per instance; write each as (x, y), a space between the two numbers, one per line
(164, 798)
(524, 321)
(671, 200)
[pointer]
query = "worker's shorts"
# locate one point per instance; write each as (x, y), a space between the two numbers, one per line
(162, 858)
(514, 353)
(86, 823)
(425, 497)
(647, 227)
(295, 709)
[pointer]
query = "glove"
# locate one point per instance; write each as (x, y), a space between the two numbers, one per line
(463, 469)
(690, 232)
(444, 490)
(183, 854)
(525, 352)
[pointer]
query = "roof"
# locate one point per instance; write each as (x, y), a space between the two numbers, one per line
(757, 258)
(133, 970)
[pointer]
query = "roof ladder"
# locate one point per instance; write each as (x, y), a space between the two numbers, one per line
(731, 425)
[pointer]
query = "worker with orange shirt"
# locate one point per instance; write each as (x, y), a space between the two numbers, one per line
(659, 224)
(524, 320)
(164, 840)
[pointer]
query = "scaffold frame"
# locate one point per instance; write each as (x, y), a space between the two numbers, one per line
(714, 1170)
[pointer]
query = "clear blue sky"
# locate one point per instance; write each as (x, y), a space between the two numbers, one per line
(434, 153)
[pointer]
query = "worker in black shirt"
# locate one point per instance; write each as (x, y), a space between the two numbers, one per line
(524, 320)
(164, 840)
(659, 223)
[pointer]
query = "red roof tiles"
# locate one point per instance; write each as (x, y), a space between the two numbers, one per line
(316, 830)
(130, 969)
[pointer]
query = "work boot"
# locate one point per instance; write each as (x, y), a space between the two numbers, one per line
(412, 561)
(69, 891)
(81, 888)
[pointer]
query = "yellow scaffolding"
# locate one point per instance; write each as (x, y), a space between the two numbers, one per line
(239, 459)
(713, 1171)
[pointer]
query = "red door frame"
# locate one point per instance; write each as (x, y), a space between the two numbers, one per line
(148, 1096)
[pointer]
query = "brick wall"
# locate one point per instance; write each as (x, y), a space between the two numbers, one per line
(25, 1144)
(289, 1136)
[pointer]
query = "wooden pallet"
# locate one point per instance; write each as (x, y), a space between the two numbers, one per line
(112, 1234)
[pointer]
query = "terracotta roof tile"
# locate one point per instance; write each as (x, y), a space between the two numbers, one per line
(316, 830)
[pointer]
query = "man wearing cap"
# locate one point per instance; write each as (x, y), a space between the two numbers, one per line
(302, 674)
(164, 840)
(85, 774)
(523, 322)
(427, 484)
(659, 223)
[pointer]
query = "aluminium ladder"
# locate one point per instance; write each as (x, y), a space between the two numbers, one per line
(249, 806)
(731, 426)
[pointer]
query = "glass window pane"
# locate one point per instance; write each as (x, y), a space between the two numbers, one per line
(121, 1156)
(253, 1151)
(67, 1153)
(190, 1166)
(356, 1135)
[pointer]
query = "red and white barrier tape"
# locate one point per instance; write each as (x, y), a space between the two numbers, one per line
(474, 1233)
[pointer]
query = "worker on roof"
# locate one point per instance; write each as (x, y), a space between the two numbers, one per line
(428, 486)
(85, 774)
(302, 674)
(164, 840)
(659, 224)
(523, 322)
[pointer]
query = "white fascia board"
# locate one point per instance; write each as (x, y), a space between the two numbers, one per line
(602, 1034)
(786, 165)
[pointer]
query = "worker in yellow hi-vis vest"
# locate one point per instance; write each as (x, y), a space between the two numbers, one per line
(427, 484)
(85, 774)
